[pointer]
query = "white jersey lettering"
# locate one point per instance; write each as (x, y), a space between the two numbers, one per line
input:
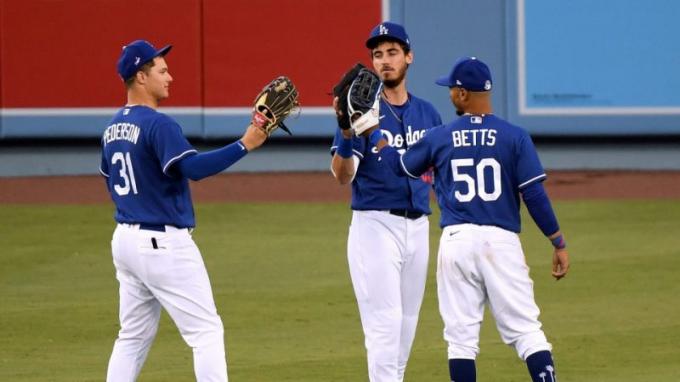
(121, 131)
(476, 137)
(397, 140)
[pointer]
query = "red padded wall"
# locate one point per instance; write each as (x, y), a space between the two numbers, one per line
(62, 53)
(249, 42)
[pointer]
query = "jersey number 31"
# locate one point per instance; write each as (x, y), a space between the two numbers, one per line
(125, 169)
(477, 187)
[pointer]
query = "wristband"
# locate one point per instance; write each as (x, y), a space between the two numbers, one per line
(375, 137)
(559, 242)
(345, 148)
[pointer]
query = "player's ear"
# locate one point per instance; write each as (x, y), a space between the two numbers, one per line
(463, 93)
(140, 77)
(409, 57)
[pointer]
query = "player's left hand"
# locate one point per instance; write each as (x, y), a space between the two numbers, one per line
(340, 91)
(560, 263)
(253, 138)
(363, 102)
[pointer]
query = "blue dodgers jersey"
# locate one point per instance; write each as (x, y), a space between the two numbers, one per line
(139, 148)
(376, 187)
(481, 164)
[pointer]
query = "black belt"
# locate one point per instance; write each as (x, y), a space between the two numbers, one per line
(406, 213)
(152, 227)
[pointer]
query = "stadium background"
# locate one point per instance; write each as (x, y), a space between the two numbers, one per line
(58, 85)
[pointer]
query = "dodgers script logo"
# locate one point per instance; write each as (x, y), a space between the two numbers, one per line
(397, 140)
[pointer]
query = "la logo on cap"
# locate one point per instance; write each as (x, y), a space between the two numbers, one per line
(384, 30)
(487, 85)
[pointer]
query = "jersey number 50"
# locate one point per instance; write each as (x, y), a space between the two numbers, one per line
(479, 188)
(125, 169)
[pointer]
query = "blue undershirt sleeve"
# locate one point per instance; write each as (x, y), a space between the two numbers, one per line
(540, 209)
(199, 166)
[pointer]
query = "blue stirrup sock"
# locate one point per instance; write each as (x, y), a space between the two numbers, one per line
(462, 370)
(541, 367)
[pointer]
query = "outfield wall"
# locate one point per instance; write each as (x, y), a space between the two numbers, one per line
(560, 68)
(58, 59)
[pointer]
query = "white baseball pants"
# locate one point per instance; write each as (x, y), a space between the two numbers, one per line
(387, 258)
(479, 264)
(172, 276)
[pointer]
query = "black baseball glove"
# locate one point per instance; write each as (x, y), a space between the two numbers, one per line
(274, 103)
(363, 101)
(340, 90)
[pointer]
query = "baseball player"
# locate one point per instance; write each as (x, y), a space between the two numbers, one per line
(482, 166)
(387, 247)
(146, 162)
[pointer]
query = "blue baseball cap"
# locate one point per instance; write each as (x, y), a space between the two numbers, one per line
(387, 31)
(136, 54)
(468, 73)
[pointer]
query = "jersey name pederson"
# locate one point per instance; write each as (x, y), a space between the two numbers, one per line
(121, 131)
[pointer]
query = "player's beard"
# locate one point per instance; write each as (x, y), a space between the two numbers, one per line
(394, 82)
(459, 112)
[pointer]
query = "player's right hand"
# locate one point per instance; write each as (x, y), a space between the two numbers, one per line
(560, 263)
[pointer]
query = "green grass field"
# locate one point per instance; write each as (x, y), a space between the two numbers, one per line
(281, 284)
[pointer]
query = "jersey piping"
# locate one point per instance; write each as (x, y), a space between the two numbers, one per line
(175, 159)
(528, 182)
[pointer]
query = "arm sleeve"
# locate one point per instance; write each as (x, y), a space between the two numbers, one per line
(413, 163)
(417, 160)
(529, 168)
(199, 166)
(540, 209)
